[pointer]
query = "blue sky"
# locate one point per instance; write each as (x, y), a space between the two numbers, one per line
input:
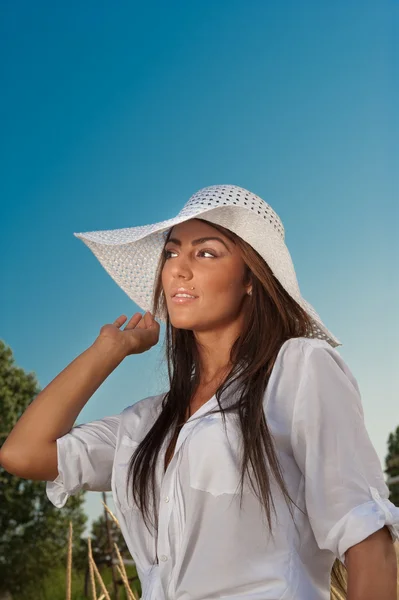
(113, 114)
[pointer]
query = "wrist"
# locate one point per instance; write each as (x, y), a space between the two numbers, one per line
(109, 348)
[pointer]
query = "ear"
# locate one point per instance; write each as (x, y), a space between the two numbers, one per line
(248, 281)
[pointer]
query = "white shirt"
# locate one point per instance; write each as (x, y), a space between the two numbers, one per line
(207, 547)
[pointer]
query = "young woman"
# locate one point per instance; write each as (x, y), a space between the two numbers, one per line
(254, 474)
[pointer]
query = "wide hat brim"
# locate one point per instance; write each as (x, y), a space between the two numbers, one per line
(131, 255)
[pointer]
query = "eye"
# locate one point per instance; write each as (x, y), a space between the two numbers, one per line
(168, 252)
(207, 252)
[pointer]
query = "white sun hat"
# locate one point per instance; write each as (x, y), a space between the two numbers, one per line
(130, 255)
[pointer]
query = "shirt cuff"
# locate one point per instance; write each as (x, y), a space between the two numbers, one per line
(59, 490)
(364, 520)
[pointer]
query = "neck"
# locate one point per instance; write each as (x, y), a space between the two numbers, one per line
(214, 349)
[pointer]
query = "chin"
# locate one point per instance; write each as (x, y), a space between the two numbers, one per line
(182, 321)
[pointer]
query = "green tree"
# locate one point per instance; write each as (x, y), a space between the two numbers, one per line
(392, 466)
(33, 532)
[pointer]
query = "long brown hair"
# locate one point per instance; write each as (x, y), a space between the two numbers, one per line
(272, 317)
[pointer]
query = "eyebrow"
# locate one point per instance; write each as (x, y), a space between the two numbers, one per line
(199, 241)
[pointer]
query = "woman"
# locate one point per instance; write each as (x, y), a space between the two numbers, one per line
(257, 459)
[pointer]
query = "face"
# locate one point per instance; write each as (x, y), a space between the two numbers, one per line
(214, 268)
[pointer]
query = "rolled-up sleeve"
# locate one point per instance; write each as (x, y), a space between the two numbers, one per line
(345, 493)
(85, 458)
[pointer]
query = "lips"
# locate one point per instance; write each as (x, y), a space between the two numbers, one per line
(183, 299)
(183, 295)
(182, 291)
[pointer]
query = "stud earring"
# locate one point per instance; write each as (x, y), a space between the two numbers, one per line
(250, 293)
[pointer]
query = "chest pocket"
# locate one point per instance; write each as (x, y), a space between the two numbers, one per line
(214, 458)
(124, 452)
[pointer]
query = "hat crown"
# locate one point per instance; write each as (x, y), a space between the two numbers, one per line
(215, 196)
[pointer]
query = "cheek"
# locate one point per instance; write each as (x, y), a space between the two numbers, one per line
(228, 293)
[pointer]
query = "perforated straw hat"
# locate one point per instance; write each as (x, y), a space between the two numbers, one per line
(130, 255)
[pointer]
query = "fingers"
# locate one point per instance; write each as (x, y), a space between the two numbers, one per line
(148, 319)
(154, 323)
(151, 322)
(120, 320)
(137, 321)
(134, 321)
(147, 322)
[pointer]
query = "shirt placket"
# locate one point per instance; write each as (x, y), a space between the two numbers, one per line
(167, 503)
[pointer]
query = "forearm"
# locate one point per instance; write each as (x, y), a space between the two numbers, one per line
(54, 410)
(373, 574)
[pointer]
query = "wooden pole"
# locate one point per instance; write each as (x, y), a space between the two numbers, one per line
(69, 564)
(111, 549)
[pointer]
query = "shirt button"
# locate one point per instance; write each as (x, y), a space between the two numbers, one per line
(167, 499)
(163, 557)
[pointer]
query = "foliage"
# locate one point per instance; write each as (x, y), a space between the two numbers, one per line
(392, 465)
(100, 549)
(100, 544)
(33, 532)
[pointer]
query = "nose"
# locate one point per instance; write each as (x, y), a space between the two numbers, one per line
(179, 267)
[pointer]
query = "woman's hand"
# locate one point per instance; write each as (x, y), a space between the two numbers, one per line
(139, 335)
